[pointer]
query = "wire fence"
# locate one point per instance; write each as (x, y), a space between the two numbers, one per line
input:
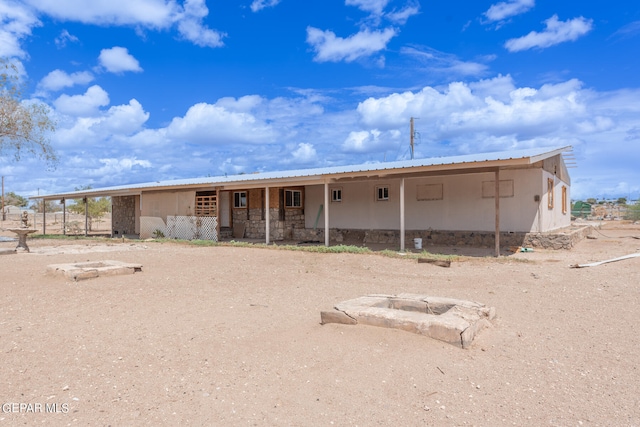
(75, 223)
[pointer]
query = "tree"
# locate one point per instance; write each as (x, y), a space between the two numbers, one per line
(622, 201)
(14, 199)
(25, 125)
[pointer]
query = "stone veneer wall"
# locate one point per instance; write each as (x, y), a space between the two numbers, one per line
(561, 239)
(279, 230)
(123, 215)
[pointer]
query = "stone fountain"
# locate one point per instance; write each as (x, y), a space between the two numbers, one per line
(22, 233)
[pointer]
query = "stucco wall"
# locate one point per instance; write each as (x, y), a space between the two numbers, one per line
(552, 219)
(462, 206)
(161, 204)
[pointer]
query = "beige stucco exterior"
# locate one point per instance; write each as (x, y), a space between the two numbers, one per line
(406, 198)
(163, 203)
(463, 205)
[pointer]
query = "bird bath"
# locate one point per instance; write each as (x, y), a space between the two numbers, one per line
(22, 233)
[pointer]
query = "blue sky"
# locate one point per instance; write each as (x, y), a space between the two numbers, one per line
(150, 90)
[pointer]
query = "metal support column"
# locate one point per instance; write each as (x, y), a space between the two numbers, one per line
(497, 199)
(64, 217)
(86, 216)
(402, 224)
(266, 215)
(326, 214)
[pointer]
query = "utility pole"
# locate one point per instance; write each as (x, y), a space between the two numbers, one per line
(412, 137)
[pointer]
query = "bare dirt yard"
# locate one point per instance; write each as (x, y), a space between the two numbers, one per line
(229, 335)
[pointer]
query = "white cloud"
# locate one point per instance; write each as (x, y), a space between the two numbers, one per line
(371, 141)
(305, 153)
(64, 37)
(330, 48)
(144, 14)
(191, 28)
(82, 105)
(258, 5)
(401, 16)
(374, 7)
(556, 32)
(440, 62)
(216, 124)
(118, 60)
(358, 141)
(629, 30)
(504, 10)
(458, 113)
(123, 119)
(16, 22)
(158, 14)
(58, 79)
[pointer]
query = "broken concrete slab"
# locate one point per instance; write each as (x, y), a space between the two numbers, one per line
(447, 319)
(91, 269)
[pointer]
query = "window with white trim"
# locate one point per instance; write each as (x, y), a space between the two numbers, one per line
(293, 198)
(382, 193)
(336, 194)
(240, 199)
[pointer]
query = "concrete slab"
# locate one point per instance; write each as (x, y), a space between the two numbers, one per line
(447, 319)
(91, 269)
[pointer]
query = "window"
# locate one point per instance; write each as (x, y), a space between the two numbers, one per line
(240, 199)
(550, 193)
(293, 198)
(382, 192)
(564, 199)
(336, 194)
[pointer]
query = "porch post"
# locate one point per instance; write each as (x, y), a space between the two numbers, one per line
(217, 213)
(64, 217)
(44, 217)
(326, 213)
(266, 214)
(402, 225)
(86, 217)
(497, 199)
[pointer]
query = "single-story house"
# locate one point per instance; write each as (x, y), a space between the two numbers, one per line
(475, 199)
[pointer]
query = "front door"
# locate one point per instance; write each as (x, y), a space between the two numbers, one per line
(225, 208)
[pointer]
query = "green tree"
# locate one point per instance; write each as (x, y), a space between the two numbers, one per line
(622, 201)
(14, 199)
(25, 125)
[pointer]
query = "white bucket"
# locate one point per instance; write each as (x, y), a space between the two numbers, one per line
(417, 243)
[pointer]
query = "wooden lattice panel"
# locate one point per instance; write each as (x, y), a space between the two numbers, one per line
(206, 205)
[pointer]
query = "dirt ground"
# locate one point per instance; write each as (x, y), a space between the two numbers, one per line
(232, 336)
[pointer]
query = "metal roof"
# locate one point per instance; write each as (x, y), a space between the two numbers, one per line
(469, 161)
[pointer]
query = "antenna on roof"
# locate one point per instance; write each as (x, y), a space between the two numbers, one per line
(413, 134)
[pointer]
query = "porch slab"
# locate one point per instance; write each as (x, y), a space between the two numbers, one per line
(91, 269)
(450, 320)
